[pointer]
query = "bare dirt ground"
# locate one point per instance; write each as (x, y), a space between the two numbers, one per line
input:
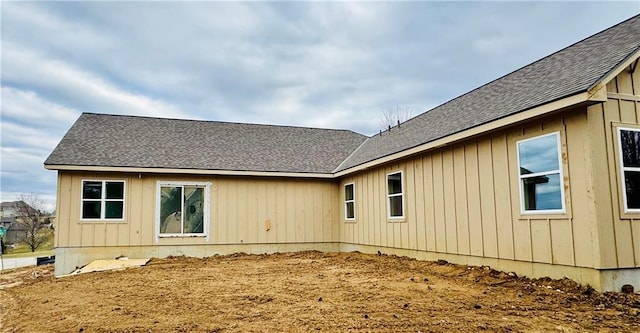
(308, 291)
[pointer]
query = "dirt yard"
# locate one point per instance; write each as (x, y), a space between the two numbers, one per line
(307, 291)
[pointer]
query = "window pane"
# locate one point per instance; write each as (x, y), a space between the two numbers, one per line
(395, 206)
(350, 213)
(539, 155)
(394, 183)
(115, 190)
(630, 141)
(194, 207)
(348, 192)
(632, 186)
(91, 209)
(113, 209)
(91, 190)
(170, 210)
(542, 192)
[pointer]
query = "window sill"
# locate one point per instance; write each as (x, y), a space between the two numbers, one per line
(182, 235)
(103, 221)
(350, 221)
(545, 216)
(396, 220)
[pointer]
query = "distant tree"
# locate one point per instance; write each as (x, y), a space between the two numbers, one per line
(31, 215)
(395, 115)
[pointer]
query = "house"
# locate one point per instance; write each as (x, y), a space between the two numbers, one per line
(537, 172)
(9, 219)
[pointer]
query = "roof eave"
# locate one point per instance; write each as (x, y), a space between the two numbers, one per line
(63, 167)
(595, 95)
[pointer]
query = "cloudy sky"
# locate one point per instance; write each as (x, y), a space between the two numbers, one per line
(332, 64)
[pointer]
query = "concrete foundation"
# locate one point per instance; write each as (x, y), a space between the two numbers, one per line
(68, 259)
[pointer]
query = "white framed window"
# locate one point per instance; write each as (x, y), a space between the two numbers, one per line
(540, 175)
(350, 202)
(182, 209)
(395, 196)
(629, 152)
(102, 200)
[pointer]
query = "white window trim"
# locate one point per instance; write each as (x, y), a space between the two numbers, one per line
(205, 211)
(103, 200)
(559, 171)
(623, 169)
(401, 194)
(346, 218)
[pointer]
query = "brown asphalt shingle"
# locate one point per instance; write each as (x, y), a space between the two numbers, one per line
(127, 141)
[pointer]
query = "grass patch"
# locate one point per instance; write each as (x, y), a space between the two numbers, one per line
(22, 250)
(42, 253)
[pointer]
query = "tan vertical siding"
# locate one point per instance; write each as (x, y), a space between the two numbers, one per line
(541, 237)
(503, 196)
(476, 233)
(465, 199)
(241, 210)
(619, 232)
(440, 231)
(580, 170)
(487, 199)
(420, 204)
(429, 198)
(604, 251)
(461, 200)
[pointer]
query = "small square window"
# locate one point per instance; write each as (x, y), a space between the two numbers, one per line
(102, 200)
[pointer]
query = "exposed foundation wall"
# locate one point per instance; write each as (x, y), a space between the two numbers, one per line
(242, 211)
(600, 279)
(69, 258)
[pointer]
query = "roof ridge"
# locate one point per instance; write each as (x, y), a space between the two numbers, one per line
(351, 154)
(220, 122)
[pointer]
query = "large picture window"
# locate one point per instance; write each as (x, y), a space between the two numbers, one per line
(182, 209)
(349, 202)
(395, 205)
(629, 150)
(540, 173)
(102, 200)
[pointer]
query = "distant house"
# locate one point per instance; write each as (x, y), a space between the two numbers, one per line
(537, 172)
(9, 219)
(8, 209)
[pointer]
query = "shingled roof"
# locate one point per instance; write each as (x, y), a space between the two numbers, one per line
(140, 142)
(567, 72)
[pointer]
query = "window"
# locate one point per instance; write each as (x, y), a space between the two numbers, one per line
(349, 202)
(541, 185)
(183, 209)
(102, 200)
(395, 207)
(629, 149)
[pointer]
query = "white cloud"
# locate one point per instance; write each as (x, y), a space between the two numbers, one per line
(64, 81)
(28, 107)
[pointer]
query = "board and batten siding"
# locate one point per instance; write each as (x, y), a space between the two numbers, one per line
(242, 211)
(618, 232)
(465, 200)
